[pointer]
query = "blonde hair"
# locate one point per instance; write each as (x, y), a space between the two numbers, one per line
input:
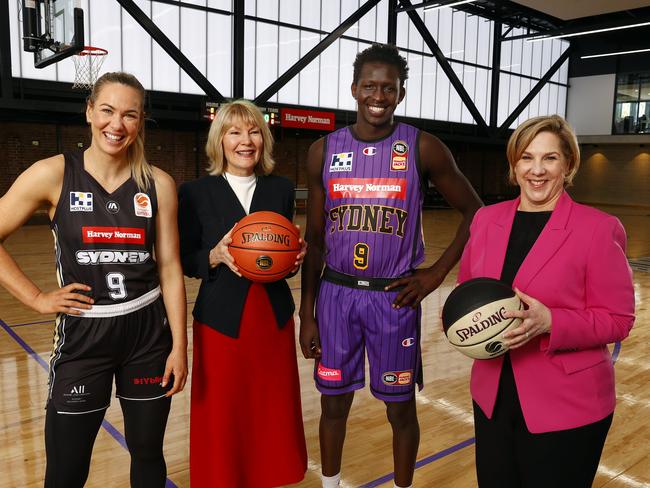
(528, 130)
(228, 114)
(141, 170)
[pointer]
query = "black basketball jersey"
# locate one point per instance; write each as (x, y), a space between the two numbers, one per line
(105, 240)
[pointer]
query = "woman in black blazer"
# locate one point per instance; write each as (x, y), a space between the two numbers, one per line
(245, 420)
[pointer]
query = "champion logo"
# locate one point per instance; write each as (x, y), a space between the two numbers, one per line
(408, 342)
(370, 151)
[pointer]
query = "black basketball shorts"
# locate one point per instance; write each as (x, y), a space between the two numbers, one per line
(88, 352)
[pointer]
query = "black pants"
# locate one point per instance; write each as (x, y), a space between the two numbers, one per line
(69, 443)
(509, 456)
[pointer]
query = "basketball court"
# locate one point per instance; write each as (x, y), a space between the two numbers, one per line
(293, 55)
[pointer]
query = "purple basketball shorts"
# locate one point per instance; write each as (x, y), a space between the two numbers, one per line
(351, 321)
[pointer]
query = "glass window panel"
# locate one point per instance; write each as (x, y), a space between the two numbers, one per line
(504, 90)
(221, 4)
(164, 68)
(482, 92)
(289, 54)
(348, 7)
(268, 9)
(561, 101)
(220, 52)
(413, 99)
(444, 32)
(552, 99)
(564, 72)
(483, 55)
(469, 82)
(643, 123)
(525, 85)
(329, 69)
(250, 7)
(527, 57)
(105, 31)
(309, 76)
(471, 38)
(266, 58)
(193, 46)
(330, 16)
(431, 22)
(442, 95)
(429, 67)
(536, 63)
(310, 13)
(513, 94)
(458, 35)
(137, 61)
(249, 59)
(644, 89)
(196, 2)
(557, 51)
(543, 100)
(290, 11)
(15, 38)
(348, 52)
(625, 118)
(367, 25)
(455, 103)
(627, 88)
(515, 63)
(547, 51)
(382, 21)
(403, 29)
(506, 55)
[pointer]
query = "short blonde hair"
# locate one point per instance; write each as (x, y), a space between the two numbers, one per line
(528, 130)
(228, 114)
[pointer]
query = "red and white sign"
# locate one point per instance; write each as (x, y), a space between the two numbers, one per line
(368, 188)
(328, 374)
(307, 119)
(113, 235)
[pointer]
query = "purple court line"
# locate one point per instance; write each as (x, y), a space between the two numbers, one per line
(116, 434)
(33, 323)
(424, 462)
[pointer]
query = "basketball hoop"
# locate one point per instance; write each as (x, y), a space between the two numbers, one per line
(87, 64)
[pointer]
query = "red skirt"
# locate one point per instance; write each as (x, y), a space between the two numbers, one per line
(246, 418)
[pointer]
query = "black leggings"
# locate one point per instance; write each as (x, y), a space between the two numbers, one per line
(69, 443)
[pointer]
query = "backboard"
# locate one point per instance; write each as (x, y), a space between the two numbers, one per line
(52, 29)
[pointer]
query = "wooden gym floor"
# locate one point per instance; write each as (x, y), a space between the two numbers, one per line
(446, 455)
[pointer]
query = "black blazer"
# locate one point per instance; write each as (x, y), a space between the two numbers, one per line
(207, 210)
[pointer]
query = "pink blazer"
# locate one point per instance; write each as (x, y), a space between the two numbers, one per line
(577, 268)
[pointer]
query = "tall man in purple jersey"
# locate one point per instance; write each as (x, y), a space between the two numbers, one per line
(364, 223)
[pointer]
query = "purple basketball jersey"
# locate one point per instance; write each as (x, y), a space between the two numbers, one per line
(373, 203)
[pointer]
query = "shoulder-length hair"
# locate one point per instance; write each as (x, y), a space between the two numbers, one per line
(244, 112)
(141, 170)
(528, 130)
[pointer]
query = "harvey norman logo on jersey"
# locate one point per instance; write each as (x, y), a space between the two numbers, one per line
(113, 235)
(367, 188)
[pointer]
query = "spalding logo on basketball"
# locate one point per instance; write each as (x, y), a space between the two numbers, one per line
(473, 317)
(264, 246)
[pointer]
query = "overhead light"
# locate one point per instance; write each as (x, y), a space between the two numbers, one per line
(453, 4)
(584, 33)
(615, 54)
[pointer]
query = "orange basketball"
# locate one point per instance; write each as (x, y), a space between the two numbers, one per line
(264, 246)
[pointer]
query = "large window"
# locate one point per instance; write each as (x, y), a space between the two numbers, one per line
(632, 106)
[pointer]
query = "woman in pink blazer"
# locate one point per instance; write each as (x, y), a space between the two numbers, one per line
(542, 411)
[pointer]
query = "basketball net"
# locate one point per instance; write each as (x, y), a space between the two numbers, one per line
(87, 65)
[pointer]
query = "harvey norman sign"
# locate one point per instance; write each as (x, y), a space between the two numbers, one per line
(307, 119)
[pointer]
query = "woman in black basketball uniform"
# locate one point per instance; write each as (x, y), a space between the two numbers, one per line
(246, 420)
(120, 311)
